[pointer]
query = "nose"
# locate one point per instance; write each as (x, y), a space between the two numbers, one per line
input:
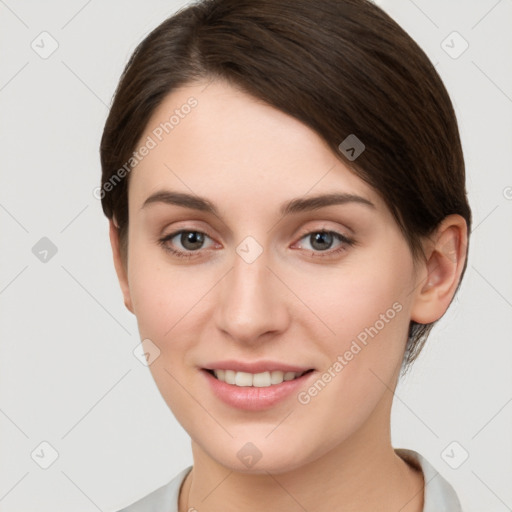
(252, 304)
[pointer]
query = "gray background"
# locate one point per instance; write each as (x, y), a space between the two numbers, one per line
(68, 375)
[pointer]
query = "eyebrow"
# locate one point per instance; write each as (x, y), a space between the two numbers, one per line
(293, 206)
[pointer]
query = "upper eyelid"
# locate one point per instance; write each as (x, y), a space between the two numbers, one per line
(340, 225)
(340, 231)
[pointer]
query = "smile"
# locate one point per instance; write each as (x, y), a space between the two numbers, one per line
(258, 380)
(255, 391)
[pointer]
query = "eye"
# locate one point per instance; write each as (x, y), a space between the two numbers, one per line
(190, 240)
(322, 240)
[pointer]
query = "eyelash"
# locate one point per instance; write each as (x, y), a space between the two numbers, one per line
(323, 254)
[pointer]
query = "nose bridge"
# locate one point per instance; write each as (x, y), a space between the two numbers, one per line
(251, 304)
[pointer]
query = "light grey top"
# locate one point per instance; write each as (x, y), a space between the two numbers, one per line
(439, 494)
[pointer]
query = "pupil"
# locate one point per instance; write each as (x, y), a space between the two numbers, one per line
(188, 239)
(321, 237)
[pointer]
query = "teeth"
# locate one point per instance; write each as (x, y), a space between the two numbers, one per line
(258, 380)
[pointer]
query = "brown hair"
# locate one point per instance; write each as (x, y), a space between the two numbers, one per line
(341, 67)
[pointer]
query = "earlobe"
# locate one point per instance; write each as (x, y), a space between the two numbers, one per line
(446, 257)
(119, 265)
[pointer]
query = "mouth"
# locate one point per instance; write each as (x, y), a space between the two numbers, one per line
(258, 380)
(256, 391)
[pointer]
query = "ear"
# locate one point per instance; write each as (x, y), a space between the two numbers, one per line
(121, 269)
(440, 274)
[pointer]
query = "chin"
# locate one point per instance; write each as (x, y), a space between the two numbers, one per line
(262, 456)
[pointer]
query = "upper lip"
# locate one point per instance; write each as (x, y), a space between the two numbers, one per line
(255, 366)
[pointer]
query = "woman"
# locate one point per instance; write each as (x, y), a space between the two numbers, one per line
(288, 217)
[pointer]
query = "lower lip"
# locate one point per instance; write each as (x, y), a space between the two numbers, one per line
(251, 398)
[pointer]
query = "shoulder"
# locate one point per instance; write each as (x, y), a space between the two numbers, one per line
(440, 496)
(163, 498)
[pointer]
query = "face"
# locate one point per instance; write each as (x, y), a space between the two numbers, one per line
(258, 286)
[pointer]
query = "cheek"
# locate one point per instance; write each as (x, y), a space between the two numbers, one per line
(358, 295)
(162, 301)
(366, 307)
(159, 294)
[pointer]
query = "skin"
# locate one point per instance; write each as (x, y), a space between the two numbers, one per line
(247, 158)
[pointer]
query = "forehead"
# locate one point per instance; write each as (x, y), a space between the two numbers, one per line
(213, 140)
